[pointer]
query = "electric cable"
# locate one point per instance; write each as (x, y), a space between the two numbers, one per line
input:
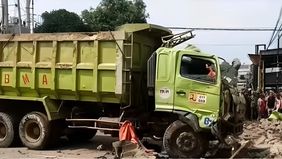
(274, 33)
(223, 29)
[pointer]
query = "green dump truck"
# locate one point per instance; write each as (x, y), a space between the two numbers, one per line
(74, 84)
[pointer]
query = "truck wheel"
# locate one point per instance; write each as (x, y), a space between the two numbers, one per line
(8, 132)
(34, 130)
(180, 141)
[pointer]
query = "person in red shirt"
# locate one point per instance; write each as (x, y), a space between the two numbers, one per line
(262, 109)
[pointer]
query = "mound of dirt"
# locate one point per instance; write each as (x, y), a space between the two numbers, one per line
(265, 137)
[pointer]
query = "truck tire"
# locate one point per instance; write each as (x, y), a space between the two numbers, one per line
(180, 141)
(34, 130)
(8, 130)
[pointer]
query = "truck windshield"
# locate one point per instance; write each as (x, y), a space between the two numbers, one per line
(197, 69)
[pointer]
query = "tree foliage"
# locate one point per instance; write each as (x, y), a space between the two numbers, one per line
(61, 21)
(112, 13)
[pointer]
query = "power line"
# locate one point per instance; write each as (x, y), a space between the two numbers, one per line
(224, 29)
(275, 36)
(274, 33)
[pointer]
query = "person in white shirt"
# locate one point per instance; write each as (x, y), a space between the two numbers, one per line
(278, 104)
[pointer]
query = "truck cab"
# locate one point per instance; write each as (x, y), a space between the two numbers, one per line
(183, 83)
(190, 83)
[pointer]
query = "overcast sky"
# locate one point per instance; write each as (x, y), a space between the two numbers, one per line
(202, 13)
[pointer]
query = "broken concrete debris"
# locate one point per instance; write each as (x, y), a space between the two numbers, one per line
(265, 136)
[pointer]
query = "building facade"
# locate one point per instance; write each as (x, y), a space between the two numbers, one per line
(244, 74)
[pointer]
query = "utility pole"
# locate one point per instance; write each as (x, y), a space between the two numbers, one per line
(27, 8)
(20, 19)
(32, 17)
(5, 22)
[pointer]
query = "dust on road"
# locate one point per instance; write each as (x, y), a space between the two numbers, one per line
(265, 138)
(99, 147)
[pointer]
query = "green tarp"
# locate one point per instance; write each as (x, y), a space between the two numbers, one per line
(275, 116)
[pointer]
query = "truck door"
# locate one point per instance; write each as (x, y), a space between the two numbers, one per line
(196, 91)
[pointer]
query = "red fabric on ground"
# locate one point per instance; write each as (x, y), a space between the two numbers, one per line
(127, 132)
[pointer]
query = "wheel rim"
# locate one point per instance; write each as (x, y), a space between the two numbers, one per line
(186, 141)
(3, 131)
(32, 131)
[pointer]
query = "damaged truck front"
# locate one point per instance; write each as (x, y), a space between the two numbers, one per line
(208, 108)
(74, 84)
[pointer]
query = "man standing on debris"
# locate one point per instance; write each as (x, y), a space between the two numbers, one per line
(262, 112)
(248, 104)
(254, 98)
(270, 102)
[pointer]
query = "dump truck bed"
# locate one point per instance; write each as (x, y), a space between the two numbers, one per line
(77, 66)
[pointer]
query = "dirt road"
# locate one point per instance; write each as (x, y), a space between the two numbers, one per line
(264, 136)
(99, 147)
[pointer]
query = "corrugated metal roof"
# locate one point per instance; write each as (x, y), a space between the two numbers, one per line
(271, 51)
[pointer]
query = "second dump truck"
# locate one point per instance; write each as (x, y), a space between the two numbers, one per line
(74, 84)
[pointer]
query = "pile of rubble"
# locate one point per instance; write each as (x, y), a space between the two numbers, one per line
(265, 138)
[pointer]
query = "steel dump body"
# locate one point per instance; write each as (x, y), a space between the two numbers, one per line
(98, 67)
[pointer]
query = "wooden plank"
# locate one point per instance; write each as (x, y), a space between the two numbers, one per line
(239, 149)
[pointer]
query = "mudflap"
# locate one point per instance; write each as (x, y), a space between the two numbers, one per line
(191, 120)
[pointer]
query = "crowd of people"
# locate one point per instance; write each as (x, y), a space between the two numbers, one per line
(261, 105)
